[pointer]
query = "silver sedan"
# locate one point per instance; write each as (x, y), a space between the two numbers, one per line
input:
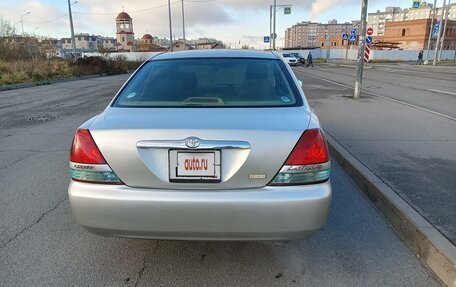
(203, 145)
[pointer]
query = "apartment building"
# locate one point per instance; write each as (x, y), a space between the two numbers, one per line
(378, 19)
(84, 43)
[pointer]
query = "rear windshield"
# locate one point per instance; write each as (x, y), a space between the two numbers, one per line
(214, 82)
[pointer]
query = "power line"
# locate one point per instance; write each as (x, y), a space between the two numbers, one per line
(115, 13)
(133, 11)
(48, 21)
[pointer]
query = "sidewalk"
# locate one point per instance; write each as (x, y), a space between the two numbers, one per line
(447, 65)
(412, 152)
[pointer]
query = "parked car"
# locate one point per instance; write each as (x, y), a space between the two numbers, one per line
(290, 59)
(300, 58)
(203, 145)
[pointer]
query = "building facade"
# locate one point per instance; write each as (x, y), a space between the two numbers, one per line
(107, 43)
(378, 20)
(84, 43)
(313, 35)
(414, 34)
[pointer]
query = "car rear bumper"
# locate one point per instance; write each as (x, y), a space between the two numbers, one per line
(270, 213)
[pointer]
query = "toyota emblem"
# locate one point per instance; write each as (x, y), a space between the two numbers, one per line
(192, 142)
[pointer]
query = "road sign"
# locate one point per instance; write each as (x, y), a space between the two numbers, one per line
(436, 29)
(274, 36)
(369, 40)
(369, 31)
(287, 10)
(353, 32)
(344, 37)
(353, 38)
(366, 53)
(266, 39)
(416, 4)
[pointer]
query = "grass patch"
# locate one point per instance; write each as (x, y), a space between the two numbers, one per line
(39, 70)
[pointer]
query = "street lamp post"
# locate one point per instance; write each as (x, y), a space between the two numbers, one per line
(430, 32)
(274, 26)
(439, 34)
(183, 25)
(272, 16)
(270, 28)
(447, 9)
(73, 40)
(170, 27)
(22, 21)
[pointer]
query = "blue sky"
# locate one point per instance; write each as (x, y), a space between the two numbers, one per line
(228, 20)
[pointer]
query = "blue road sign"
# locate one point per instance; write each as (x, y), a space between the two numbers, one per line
(344, 37)
(416, 4)
(287, 10)
(436, 29)
(369, 39)
(266, 39)
(354, 32)
(352, 38)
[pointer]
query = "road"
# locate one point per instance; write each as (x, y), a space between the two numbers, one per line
(400, 129)
(41, 244)
(430, 88)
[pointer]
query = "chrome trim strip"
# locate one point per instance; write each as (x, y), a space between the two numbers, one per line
(204, 144)
(90, 167)
(305, 168)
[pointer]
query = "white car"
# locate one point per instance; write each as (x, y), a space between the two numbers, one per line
(290, 59)
(203, 145)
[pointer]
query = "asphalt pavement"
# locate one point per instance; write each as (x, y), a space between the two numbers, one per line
(42, 245)
(401, 130)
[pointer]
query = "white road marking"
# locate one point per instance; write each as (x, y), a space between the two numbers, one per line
(382, 97)
(442, 92)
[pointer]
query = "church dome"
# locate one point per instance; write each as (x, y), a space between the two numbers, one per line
(123, 16)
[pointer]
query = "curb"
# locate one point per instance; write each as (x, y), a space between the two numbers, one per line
(433, 249)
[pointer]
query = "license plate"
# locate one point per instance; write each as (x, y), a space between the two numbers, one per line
(196, 164)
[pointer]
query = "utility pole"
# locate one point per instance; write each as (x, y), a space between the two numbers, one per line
(170, 27)
(430, 32)
(73, 41)
(183, 25)
(438, 35)
(439, 57)
(22, 22)
(274, 27)
(360, 65)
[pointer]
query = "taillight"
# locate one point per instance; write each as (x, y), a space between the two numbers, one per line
(307, 163)
(87, 164)
(84, 149)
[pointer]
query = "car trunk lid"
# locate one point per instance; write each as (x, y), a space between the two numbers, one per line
(250, 144)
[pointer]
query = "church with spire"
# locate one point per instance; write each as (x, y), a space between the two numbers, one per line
(125, 34)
